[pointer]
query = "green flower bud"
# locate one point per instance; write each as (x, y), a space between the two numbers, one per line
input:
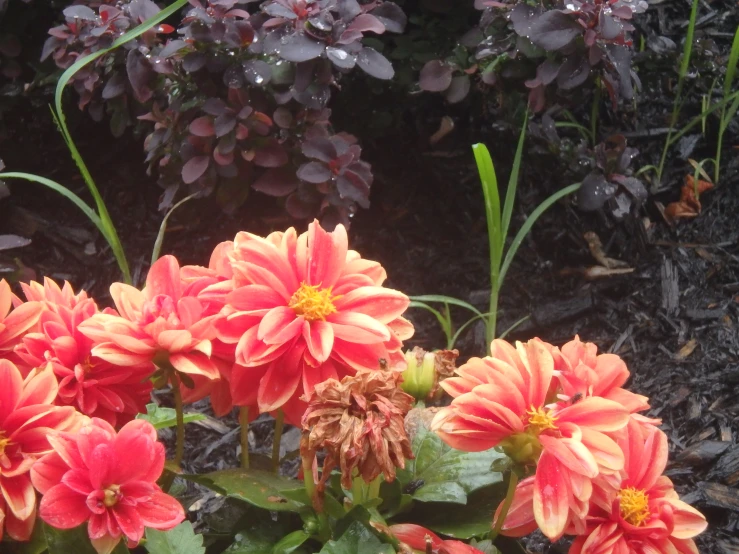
(419, 379)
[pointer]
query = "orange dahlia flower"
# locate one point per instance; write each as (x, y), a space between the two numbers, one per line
(505, 400)
(644, 513)
(96, 387)
(159, 323)
(27, 417)
(583, 373)
(310, 308)
(21, 319)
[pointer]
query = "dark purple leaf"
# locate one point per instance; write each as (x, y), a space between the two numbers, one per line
(391, 16)
(278, 10)
(554, 30)
(620, 58)
(194, 61)
(299, 48)
(594, 192)
(142, 10)
(365, 23)
(633, 185)
(214, 106)
(226, 145)
(351, 186)
(224, 124)
(609, 27)
(299, 208)
(8, 242)
(523, 17)
(283, 118)
(340, 57)
(194, 168)
(375, 64)
(277, 182)
(348, 9)
(115, 86)
(622, 12)
(202, 127)
(573, 73)
(51, 44)
(172, 47)
(257, 72)
(436, 76)
(271, 155)
(314, 172)
(80, 12)
(458, 90)
(139, 73)
(320, 149)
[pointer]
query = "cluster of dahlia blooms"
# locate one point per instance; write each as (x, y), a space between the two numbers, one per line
(261, 327)
(593, 463)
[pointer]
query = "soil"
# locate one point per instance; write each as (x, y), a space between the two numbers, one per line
(674, 318)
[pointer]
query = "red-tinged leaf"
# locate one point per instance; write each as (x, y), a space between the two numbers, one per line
(224, 124)
(459, 89)
(214, 106)
(366, 22)
(223, 159)
(202, 126)
(391, 16)
(300, 48)
(165, 29)
(375, 64)
(320, 149)
(271, 155)
(436, 76)
(194, 168)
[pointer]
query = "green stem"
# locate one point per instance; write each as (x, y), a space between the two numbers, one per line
(179, 452)
(493, 318)
(513, 481)
(244, 422)
(373, 491)
(310, 484)
(279, 424)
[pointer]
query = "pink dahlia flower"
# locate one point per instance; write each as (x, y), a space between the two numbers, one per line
(644, 513)
(107, 480)
(309, 309)
(505, 400)
(21, 319)
(27, 417)
(419, 539)
(93, 385)
(159, 324)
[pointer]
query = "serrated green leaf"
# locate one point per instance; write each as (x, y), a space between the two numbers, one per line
(357, 539)
(446, 474)
(179, 540)
(161, 418)
(259, 488)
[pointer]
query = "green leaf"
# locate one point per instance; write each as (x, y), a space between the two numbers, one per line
(446, 474)
(36, 544)
(257, 532)
(473, 519)
(290, 543)
(74, 541)
(163, 228)
(161, 418)
(357, 539)
(180, 540)
(445, 300)
(259, 488)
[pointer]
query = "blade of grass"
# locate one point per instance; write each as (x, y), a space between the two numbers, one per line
(529, 223)
(446, 300)
(111, 234)
(684, 66)
(61, 189)
(510, 195)
(443, 322)
(727, 116)
(163, 228)
(733, 99)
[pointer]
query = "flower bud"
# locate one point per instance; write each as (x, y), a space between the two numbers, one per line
(425, 370)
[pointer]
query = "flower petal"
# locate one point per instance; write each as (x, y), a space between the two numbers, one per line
(63, 508)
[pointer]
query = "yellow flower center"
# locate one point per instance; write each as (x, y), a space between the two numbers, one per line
(112, 495)
(634, 505)
(539, 420)
(4, 441)
(313, 302)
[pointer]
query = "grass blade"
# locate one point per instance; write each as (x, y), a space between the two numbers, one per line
(529, 223)
(110, 234)
(727, 115)
(492, 201)
(163, 228)
(510, 196)
(445, 300)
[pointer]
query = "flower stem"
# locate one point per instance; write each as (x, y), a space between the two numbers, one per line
(279, 424)
(180, 445)
(244, 421)
(512, 482)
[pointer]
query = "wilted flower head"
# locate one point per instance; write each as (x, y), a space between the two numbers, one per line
(27, 417)
(93, 385)
(308, 309)
(359, 423)
(160, 323)
(506, 399)
(97, 476)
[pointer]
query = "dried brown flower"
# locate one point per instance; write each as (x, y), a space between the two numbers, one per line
(358, 422)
